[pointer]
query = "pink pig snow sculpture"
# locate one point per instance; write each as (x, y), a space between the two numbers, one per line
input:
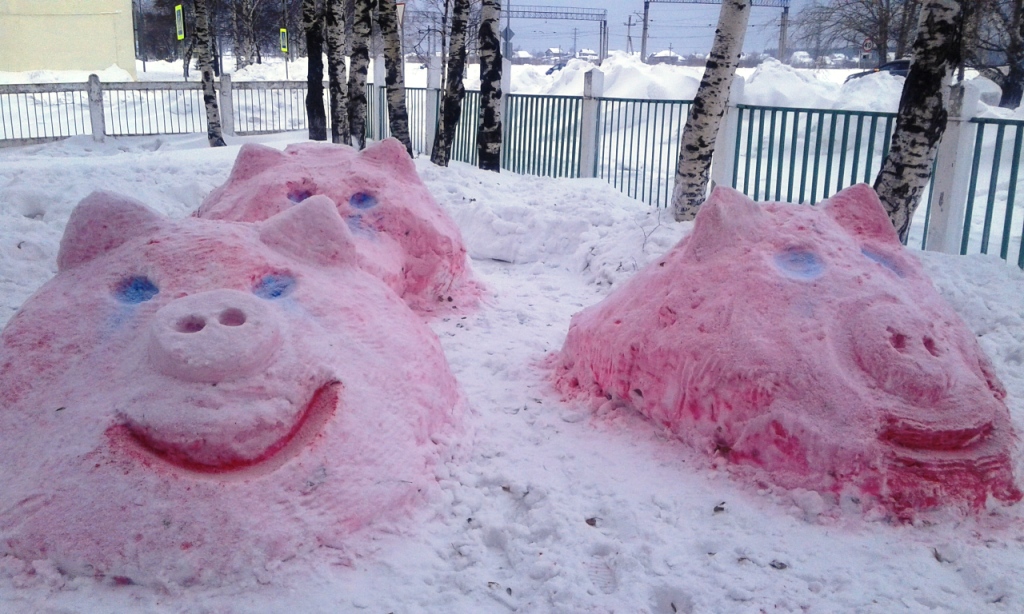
(805, 342)
(400, 233)
(195, 400)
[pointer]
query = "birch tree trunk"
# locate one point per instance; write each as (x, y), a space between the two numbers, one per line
(336, 71)
(205, 53)
(387, 18)
(701, 130)
(921, 118)
(245, 33)
(312, 23)
(454, 90)
(362, 24)
(488, 135)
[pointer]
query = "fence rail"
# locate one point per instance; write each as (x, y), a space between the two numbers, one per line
(771, 153)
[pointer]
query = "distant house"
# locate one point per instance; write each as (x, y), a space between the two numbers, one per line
(587, 54)
(555, 54)
(66, 35)
(665, 57)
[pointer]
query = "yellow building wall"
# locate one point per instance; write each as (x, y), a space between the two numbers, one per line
(66, 35)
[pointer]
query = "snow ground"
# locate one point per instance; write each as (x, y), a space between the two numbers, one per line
(551, 508)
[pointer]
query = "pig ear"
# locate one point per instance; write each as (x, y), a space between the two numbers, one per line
(391, 154)
(858, 210)
(726, 218)
(311, 231)
(101, 222)
(253, 159)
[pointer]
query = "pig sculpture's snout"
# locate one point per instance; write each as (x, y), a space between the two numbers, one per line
(945, 406)
(214, 336)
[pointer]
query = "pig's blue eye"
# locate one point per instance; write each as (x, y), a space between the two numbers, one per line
(135, 290)
(275, 285)
(297, 196)
(362, 200)
(798, 263)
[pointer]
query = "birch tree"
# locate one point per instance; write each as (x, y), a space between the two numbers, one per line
(488, 136)
(334, 32)
(362, 25)
(313, 25)
(454, 90)
(921, 118)
(387, 19)
(244, 17)
(701, 130)
(205, 53)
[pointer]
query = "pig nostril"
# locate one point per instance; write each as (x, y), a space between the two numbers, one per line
(929, 344)
(232, 317)
(897, 340)
(190, 324)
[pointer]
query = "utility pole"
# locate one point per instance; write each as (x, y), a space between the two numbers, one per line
(643, 38)
(782, 33)
(629, 34)
(574, 30)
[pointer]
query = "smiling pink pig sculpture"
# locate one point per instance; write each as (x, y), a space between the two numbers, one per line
(805, 344)
(400, 233)
(195, 401)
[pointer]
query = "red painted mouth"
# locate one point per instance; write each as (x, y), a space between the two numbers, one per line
(307, 428)
(916, 436)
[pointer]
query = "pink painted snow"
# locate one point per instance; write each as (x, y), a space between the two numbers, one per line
(804, 342)
(196, 401)
(399, 232)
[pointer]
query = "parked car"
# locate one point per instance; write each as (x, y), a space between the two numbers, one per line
(555, 68)
(900, 68)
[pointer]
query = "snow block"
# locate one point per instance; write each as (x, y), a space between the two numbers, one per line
(804, 345)
(195, 401)
(400, 233)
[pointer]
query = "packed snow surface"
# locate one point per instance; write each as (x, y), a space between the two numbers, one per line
(550, 507)
(804, 344)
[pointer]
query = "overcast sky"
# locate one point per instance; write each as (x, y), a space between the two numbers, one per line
(687, 28)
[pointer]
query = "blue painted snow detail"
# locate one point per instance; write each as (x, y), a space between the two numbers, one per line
(273, 286)
(135, 290)
(362, 200)
(356, 225)
(297, 196)
(883, 260)
(799, 264)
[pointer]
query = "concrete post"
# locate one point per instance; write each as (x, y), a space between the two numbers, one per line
(953, 174)
(723, 164)
(593, 89)
(433, 99)
(380, 77)
(227, 106)
(99, 124)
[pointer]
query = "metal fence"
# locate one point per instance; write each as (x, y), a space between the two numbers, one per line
(638, 145)
(994, 184)
(43, 112)
(775, 153)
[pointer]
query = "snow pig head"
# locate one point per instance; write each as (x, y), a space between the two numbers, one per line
(196, 400)
(399, 232)
(804, 344)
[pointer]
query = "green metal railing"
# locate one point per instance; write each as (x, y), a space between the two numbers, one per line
(997, 220)
(638, 145)
(806, 155)
(541, 135)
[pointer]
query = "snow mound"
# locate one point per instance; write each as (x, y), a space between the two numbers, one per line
(400, 233)
(804, 344)
(196, 401)
(774, 84)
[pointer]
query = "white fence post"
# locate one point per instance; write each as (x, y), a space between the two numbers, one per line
(723, 163)
(952, 175)
(433, 99)
(380, 77)
(593, 89)
(99, 125)
(227, 107)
